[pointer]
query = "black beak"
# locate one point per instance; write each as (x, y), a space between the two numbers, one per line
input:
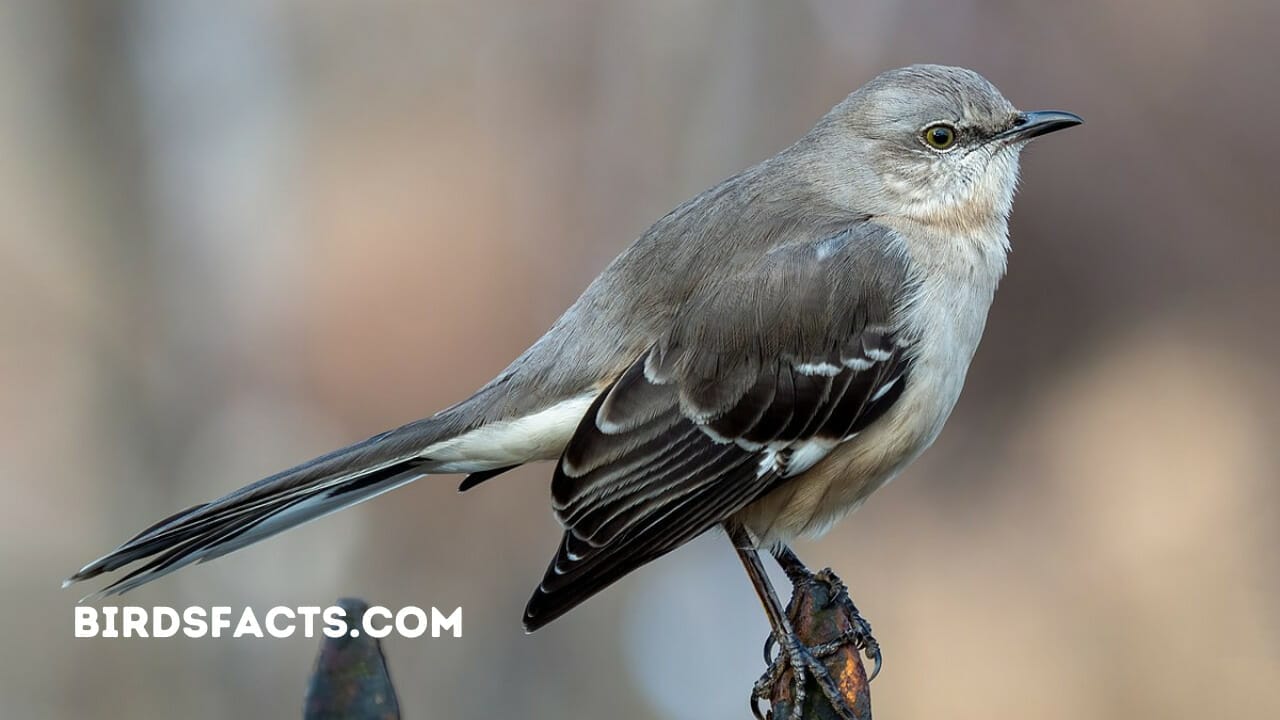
(1028, 125)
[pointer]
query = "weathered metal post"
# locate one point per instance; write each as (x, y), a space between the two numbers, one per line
(350, 680)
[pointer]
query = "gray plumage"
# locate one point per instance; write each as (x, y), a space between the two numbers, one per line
(768, 353)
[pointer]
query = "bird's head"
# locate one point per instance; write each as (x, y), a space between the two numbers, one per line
(930, 143)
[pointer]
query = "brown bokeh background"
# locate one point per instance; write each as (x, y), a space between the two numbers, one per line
(234, 235)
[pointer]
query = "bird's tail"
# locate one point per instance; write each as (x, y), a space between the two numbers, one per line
(284, 500)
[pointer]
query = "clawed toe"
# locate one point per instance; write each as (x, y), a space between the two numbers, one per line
(860, 632)
(803, 663)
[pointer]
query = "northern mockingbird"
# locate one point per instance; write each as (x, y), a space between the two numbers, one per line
(763, 358)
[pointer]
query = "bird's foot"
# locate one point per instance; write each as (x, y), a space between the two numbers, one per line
(859, 632)
(801, 663)
(824, 617)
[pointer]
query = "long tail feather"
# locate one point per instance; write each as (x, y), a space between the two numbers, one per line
(242, 518)
(340, 479)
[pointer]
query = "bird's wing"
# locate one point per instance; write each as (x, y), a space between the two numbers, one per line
(757, 379)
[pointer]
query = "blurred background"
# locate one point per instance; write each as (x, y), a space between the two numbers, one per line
(234, 235)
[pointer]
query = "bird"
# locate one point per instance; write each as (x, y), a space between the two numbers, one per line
(760, 360)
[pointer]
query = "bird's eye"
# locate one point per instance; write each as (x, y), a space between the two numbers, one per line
(940, 136)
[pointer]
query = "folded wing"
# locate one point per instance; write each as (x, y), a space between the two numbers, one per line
(760, 376)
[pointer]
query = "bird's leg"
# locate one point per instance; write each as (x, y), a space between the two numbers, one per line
(802, 661)
(790, 564)
(861, 634)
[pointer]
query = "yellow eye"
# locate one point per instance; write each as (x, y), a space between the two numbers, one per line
(940, 136)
